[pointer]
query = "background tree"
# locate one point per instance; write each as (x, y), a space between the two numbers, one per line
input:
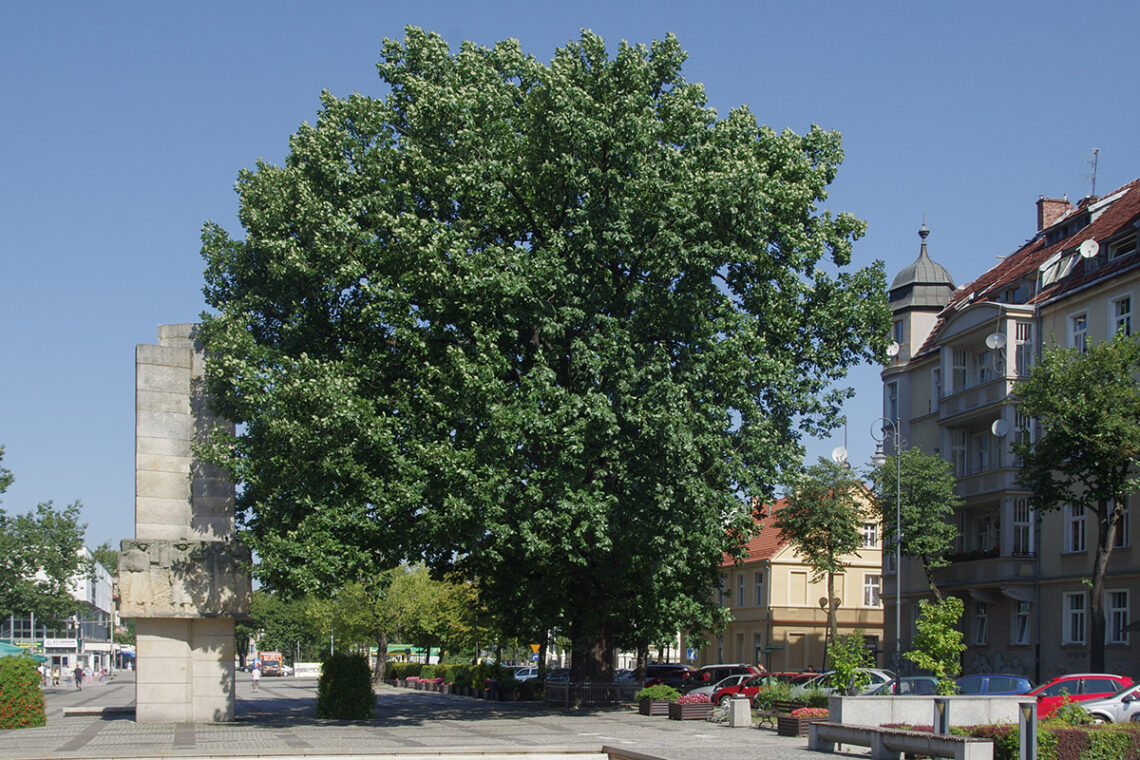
(823, 519)
(39, 555)
(929, 498)
(1086, 453)
(521, 316)
(937, 644)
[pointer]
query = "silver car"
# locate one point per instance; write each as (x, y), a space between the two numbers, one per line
(1121, 707)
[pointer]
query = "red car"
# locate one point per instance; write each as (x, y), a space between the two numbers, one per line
(752, 686)
(1076, 687)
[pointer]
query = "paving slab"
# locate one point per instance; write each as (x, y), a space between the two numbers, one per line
(279, 721)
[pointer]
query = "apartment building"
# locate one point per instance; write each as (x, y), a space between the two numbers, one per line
(778, 615)
(952, 387)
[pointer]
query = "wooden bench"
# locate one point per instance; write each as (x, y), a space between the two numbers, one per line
(893, 743)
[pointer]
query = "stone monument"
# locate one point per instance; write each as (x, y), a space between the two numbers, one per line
(182, 579)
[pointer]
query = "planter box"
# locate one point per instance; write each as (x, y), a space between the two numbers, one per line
(445, 688)
(653, 707)
(690, 712)
(786, 707)
(789, 726)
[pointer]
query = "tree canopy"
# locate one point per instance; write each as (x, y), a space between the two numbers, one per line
(39, 556)
(929, 497)
(1087, 449)
(552, 325)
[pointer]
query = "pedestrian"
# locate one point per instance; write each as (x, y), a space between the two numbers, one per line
(55, 676)
(79, 678)
(256, 673)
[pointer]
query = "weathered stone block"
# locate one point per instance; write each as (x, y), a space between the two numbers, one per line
(183, 579)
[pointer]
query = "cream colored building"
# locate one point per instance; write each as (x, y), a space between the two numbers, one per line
(778, 620)
(952, 388)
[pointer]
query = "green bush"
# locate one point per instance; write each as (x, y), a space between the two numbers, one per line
(777, 692)
(1071, 713)
(660, 691)
(461, 675)
(428, 671)
(403, 670)
(344, 691)
(21, 699)
(815, 697)
(1060, 741)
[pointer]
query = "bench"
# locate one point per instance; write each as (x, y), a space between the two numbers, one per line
(893, 743)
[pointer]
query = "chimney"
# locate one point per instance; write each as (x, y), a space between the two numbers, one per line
(1050, 210)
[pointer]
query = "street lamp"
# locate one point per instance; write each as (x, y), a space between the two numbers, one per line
(878, 460)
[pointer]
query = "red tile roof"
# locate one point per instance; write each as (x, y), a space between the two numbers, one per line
(769, 541)
(1027, 260)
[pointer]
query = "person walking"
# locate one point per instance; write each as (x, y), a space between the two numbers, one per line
(256, 673)
(78, 678)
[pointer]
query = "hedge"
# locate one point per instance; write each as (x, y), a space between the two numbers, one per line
(21, 699)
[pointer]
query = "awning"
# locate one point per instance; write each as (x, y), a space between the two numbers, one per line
(987, 595)
(1018, 593)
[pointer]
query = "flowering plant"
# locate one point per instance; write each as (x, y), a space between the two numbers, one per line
(810, 712)
(694, 699)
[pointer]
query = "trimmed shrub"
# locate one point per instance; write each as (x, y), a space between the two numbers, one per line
(428, 671)
(402, 670)
(344, 691)
(777, 692)
(21, 699)
(660, 691)
(816, 697)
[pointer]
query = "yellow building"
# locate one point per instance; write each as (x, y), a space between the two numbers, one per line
(778, 614)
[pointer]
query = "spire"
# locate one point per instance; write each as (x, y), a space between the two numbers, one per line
(924, 283)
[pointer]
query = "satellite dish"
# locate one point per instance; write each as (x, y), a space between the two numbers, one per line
(893, 349)
(999, 428)
(839, 455)
(1089, 248)
(995, 341)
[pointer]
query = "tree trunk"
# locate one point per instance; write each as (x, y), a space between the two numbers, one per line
(381, 658)
(1105, 538)
(926, 568)
(642, 660)
(832, 620)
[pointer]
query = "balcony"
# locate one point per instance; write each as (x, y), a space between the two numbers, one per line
(987, 567)
(986, 480)
(975, 398)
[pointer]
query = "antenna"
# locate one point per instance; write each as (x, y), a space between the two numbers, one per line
(1089, 249)
(999, 428)
(995, 341)
(893, 349)
(1091, 160)
(839, 455)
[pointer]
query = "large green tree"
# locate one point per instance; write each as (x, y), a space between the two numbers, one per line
(1087, 450)
(823, 518)
(40, 553)
(929, 493)
(549, 324)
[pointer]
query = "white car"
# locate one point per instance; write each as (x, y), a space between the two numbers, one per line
(879, 677)
(1121, 707)
(732, 680)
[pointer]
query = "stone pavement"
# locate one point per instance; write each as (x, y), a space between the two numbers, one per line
(280, 721)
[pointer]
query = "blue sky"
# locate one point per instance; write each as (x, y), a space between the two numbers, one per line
(125, 125)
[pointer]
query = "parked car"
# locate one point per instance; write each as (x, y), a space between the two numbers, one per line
(823, 681)
(558, 674)
(750, 686)
(905, 685)
(668, 674)
(993, 683)
(724, 683)
(712, 674)
(1121, 707)
(525, 673)
(1076, 687)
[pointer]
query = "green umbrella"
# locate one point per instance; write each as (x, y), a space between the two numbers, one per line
(9, 649)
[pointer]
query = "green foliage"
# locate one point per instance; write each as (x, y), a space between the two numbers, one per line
(929, 497)
(21, 699)
(108, 557)
(428, 671)
(815, 697)
(659, 691)
(554, 324)
(1071, 713)
(937, 645)
(402, 670)
(1088, 450)
(344, 691)
(848, 656)
(39, 554)
(777, 692)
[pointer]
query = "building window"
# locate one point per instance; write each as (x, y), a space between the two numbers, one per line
(983, 367)
(892, 407)
(870, 535)
(958, 451)
(1079, 332)
(1121, 247)
(721, 590)
(1123, 538)
(740, 600)
(981, 622)
(1074, 623)
(982, 447)
(760, 589)
(872, 590)
(1122, 315)
(958, 369)
(1020, 632)
(1117, 617)
(1023, 347)
(1022, 528)
(758, 648)
(900, 330)
(888, 559)
(935, 388)
(1074, 528)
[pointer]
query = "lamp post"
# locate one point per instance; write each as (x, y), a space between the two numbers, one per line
(878, 460)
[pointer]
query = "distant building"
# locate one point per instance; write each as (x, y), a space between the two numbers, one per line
(952, 387)
(778, 614)
(85, 638)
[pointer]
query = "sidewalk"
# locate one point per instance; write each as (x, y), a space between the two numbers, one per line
(280, 721)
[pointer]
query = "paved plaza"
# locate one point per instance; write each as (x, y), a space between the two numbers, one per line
(280, 721)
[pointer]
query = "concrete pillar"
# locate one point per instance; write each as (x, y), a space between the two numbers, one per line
(181, 578)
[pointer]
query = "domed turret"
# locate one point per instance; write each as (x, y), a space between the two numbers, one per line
(925, 284)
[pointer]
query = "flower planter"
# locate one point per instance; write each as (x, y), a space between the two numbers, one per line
(653, 707)
(445, 688)
(690, 712)
(789, 726)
